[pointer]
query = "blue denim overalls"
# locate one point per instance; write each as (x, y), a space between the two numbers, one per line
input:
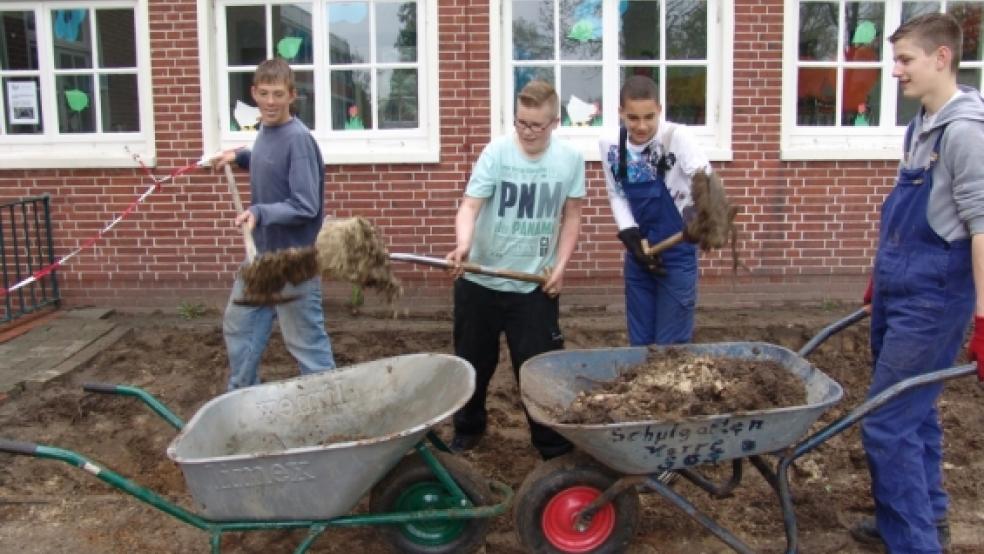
(659, 308)
(922, 304)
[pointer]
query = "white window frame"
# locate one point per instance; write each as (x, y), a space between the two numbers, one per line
(81, 150)
(882, 142)
(370, 146)
(714, 137)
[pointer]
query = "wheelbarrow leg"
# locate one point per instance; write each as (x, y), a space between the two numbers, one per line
(810, 443)
(313, 533)
(683, 504)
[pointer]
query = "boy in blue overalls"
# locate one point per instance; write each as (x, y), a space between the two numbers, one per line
(930, 261)
(648, 165)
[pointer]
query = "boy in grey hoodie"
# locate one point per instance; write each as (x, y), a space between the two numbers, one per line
(928, 267)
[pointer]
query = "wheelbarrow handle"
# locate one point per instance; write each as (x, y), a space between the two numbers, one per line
(101, 388)
(18, 447)
(831, 330)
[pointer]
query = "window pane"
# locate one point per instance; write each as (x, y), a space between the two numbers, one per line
(20, 45)
(73, 94)
(580, 102)
(292, 33)
(628, 71)
(242, 109)
(398, 102)
(120, 103)
(970, 76)
(580, 29)
(639, 39)
(686, 95)
(348, 32)
(303, 106)
(686, 30)
(815, 92)
(818, 31)
(396, 32)
(72, 43)
(246, 35)
(862, 97)
(117, 38)
(23, 114)
(969, 16)
(912, 9)
(533, 30)
(863, 30)
(351, 100)
(523, 75)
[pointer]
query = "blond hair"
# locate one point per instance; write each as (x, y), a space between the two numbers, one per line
(539, 93)
(274, 71)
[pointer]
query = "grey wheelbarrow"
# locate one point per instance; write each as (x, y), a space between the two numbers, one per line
(301, 453)
(588, 501)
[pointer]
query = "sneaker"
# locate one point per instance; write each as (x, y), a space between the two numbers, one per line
(866, 532)
(460, 443)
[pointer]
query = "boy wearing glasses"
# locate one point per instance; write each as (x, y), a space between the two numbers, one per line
(648, 165)
(521, 211)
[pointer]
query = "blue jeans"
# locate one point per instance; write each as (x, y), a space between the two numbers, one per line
(302, 324)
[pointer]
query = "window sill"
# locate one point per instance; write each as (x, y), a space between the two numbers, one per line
(854, 146)
(369, 150)
(73, 155)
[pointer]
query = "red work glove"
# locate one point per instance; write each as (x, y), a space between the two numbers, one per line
(868, 291)
(975, 350)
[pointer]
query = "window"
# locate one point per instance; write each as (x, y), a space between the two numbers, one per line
(840, 100)
(75, 87)
(361, 69)
(586, 49)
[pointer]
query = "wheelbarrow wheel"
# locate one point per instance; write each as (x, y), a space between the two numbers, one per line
(553, 494)
(412, 486)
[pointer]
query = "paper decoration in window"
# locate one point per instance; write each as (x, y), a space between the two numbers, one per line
(68, 22)
(348, 12)
(864, 33)
(246, 116)
(354, 121)
(581, 113)
(77, 99)
(861, 120)
(587, 17)
(288, 47)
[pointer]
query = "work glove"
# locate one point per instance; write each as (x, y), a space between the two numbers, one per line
(975, 350)
(631, 237)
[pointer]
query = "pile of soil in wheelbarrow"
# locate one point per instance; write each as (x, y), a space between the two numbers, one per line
(678, 384)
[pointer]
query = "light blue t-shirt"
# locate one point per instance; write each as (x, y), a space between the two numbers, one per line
(519, 224)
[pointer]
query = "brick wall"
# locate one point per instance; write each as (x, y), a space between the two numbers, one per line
(807, 228)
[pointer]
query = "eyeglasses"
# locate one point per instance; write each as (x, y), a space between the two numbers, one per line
(535, 128)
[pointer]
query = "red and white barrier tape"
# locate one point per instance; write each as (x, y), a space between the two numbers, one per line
(37, 275)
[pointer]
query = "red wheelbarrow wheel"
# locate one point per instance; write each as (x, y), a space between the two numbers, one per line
(412, 486)
(550, 498)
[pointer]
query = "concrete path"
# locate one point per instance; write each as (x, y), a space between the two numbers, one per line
(54, 347)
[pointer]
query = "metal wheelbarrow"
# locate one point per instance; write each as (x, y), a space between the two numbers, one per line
(301, 453)
(589, 503)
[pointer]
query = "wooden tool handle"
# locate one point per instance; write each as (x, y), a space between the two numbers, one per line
(664, 244)
(238, 204)
(504, 273)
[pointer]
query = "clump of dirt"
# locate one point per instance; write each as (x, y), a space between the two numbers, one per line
(678, 384)
(267, 275)
(351, 250)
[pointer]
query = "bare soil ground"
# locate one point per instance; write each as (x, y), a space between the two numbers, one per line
(49, 507)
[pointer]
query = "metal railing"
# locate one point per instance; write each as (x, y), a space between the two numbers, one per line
(26, 246)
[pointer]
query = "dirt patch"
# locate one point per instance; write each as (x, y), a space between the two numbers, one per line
(47, 506)
(675, 384)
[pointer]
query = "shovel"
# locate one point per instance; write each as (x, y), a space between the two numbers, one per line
(470, 268)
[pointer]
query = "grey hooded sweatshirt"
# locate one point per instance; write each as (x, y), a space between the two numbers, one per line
(956, 203)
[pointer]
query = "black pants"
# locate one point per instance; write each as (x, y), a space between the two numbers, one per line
(531, 323)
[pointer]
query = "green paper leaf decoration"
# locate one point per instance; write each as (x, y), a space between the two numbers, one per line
(582, 31)
(288, 47)
(864, 33)
(77, 100)
(354, 123)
